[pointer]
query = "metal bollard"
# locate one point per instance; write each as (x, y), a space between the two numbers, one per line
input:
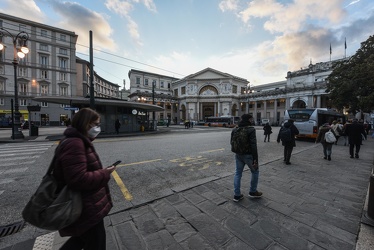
(370, 212)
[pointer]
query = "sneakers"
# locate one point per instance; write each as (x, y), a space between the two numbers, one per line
(329, 158)
(256, 194)
(238, 198)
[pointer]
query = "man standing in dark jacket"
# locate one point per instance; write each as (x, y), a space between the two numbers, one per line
(288, 146)
(245, 154)
(354, 132)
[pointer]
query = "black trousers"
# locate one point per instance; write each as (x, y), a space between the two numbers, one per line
(93, 239)
(351, 148)
(287, 153)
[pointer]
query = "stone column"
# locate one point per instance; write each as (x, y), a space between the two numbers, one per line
(318, 101)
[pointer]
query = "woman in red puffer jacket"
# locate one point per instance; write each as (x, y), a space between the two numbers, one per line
(79, 166)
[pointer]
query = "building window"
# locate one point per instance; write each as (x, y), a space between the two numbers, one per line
(62, 76)
(234, 89)
(43, 47)
(23, 88)
(44, 74)
(63, 63)
(44, 104)
(63, 51)
(43, 61)
(175, 92)
(2, 86)
(1, 56)
(183, 91)
(62, 38)
(1, 102)
(154, 83)
(22, 102)
(22, 72)
(44, 89)
(138, 80)
(242, 90)
(1, 70)
(146, 82)
(258, 105)
(161, 84)
(64, 105)
(44, 33)
(63, 91)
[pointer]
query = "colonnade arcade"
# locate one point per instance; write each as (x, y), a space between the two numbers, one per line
(208, 103)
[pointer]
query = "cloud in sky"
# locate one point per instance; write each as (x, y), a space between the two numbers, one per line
(259, 40)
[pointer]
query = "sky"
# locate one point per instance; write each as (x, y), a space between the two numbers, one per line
(259, 40)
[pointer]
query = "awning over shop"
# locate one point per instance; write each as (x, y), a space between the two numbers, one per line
(8, 111)
(98, 101)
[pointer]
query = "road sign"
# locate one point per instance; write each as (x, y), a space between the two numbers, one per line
(71, 108)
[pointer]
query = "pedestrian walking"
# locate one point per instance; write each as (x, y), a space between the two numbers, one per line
(117, 126)
(267, 131)
(79, 167)
(327, 146)
(244, 144)
(354, 131)
(338, 129)
(287, 135)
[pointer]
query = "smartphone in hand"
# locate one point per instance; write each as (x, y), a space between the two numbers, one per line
(116, 163)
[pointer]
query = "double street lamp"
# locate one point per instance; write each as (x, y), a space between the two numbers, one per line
(21, 38)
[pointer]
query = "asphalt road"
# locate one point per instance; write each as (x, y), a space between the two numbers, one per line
(151, 167)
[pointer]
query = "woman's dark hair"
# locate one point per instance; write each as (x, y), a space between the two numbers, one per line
(83, 119)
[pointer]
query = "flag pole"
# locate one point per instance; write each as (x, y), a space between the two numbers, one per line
(330, 52)
(345, 47)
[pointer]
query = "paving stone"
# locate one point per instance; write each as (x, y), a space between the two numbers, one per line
(164, 210)
(308, 219)
(200, 189)
(119, 218)
(180, 231)
(148, 223)
(322, 239)
(281, 235)
(335, 231)
(213, 210)
(237, 244)
(186, 209)
(350, 226)
(247, 234)
(214, 197)
(128, 237)
(193, 197)
(196, 242)
(211, 230)
(248, 216)
(161, 240)
(175, 198)
(280, 208)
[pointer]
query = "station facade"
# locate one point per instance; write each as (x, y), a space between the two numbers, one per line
(210, 92)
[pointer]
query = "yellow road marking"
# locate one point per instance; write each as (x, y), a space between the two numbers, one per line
(214, 150)
(122, 186)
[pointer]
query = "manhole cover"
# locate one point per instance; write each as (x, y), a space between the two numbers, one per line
(11, 228)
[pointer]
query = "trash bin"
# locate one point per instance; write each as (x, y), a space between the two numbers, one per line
(34, 130)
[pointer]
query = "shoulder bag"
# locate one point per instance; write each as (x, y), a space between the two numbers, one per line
(53, 207)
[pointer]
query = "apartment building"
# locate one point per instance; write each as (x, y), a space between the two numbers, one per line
(49, 69)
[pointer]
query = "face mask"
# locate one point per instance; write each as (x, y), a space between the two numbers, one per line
(94, 131)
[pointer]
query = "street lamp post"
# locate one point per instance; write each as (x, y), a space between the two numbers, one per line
(22, 38)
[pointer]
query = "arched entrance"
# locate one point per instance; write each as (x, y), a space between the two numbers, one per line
(299, 104)
(234, 110)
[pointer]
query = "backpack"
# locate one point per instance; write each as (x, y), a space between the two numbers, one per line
(285, 134)
(240, 141)
(329, 137)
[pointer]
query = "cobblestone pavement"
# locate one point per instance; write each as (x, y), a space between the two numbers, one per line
(311, 204)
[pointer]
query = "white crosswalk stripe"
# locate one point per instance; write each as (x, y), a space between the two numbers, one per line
(21, 154)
